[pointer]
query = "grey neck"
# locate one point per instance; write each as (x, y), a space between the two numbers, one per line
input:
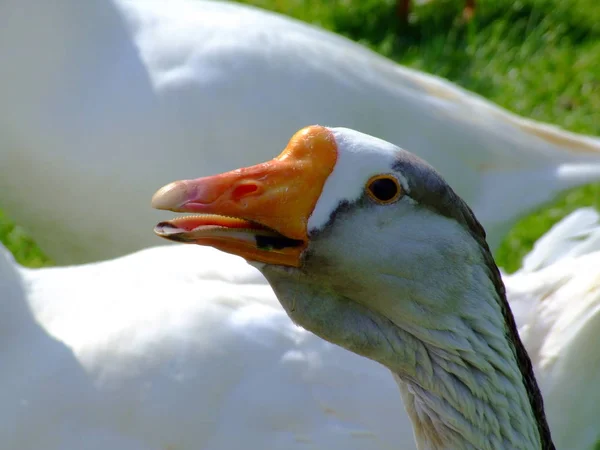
(467, 387)
(463, 389)
(460, 373)
(467, 403)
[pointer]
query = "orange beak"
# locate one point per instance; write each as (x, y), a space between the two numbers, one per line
(261, 212)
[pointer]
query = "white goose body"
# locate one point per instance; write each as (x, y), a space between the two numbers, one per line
(175, 348)
(555, 298)
(188, 348)
(118, 97)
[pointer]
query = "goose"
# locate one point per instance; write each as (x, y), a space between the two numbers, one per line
(138, 354)
(577, 234)
(366, 246)
(554, 299)
(118, 97)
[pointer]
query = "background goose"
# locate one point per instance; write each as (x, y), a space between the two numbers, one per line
(131, 94)
(554, 298)
(180, 345)
(367, 246)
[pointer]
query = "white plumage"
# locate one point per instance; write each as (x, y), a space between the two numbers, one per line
(119, 97)
(555, 299)
(183, 347)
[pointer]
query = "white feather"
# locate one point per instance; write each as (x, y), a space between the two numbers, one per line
(182, 347)
(577, 234)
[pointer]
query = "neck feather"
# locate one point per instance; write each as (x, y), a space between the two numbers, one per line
(469, 398)
(462, 382)
(473, 387)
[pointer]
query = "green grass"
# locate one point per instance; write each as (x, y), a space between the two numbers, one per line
(16, 239)
(538, 58)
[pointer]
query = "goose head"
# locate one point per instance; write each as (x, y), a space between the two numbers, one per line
(368, 247)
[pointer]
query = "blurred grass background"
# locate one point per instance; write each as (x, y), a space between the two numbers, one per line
(538, 58)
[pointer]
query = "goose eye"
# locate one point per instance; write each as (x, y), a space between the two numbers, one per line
(384, 189)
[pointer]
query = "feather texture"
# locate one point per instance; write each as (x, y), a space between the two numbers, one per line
(182, 347)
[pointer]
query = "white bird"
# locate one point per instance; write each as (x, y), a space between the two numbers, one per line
(555, 298)
(368, 247)
(183, 345)
(118, 97)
